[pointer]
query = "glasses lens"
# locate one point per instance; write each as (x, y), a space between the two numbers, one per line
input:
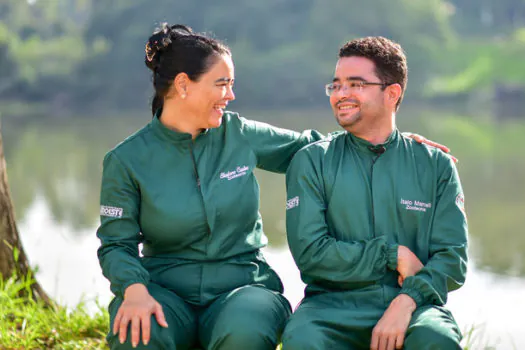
(329, 89)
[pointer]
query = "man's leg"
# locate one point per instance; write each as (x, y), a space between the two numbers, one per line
(182, 323)
(432, 327)
(249, 317)
(331, 321)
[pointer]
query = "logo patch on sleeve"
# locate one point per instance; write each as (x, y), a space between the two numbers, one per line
(292, 203)
(460, 202)
(112, 212)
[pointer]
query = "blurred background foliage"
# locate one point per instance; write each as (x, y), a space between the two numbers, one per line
(87, 55)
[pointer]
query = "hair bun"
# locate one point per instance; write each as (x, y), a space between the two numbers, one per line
(161, 39)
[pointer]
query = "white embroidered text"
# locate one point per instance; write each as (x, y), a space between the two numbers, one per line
(415, 205)
(240, 171)
(112, 212)
(292, 203)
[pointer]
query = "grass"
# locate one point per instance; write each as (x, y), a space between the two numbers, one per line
(26, 324)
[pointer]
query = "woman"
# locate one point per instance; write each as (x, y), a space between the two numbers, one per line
(184, 187)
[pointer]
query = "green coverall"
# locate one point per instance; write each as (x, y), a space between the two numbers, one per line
(194, 205)
(350, 204)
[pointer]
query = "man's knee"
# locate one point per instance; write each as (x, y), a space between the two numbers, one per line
(431, 338)
(303, 336)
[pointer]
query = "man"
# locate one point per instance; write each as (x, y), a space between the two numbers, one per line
(375, 221)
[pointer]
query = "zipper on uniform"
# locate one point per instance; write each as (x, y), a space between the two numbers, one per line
(200, 189)
(379, 152)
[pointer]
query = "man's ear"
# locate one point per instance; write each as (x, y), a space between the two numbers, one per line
(393, 93)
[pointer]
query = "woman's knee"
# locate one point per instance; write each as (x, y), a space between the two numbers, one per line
(252, 319)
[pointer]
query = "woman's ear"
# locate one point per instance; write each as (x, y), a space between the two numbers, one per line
(180, 84)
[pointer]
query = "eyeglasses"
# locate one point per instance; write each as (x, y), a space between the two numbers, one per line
(352, 85)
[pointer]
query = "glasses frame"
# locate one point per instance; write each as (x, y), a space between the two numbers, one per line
(362, 84)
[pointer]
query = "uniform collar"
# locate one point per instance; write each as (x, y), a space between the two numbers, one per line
(168, 134)
(365, 146)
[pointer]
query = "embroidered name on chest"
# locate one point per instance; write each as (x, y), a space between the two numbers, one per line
(415, 205)
(240, 171)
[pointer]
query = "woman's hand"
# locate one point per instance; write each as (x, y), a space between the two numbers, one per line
(422, 139)
(137, 307)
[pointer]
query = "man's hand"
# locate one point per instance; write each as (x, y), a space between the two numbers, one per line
(422, 139)
(408, 263)
(137, 307)
(389, 332)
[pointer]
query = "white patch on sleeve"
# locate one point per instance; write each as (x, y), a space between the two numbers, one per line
(292, 203)
(112, 212)
(460, 202)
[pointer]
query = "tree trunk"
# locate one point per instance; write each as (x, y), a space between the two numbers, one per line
(13, 259)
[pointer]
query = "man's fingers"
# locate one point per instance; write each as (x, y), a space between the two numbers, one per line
(374, 343)
(146, 328)
(391, 342)
(400, 339)
(382, 342)
(135, 330)
(400, 280)
(159, 315)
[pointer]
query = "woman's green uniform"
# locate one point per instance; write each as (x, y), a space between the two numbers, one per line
(194, 206)
(350, 204)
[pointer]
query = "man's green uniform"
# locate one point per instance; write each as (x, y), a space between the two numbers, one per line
(194, 205)
(350, 204)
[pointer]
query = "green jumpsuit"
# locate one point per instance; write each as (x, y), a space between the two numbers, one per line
(350, 204)
(194, 206)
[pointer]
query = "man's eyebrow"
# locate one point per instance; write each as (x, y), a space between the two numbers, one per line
(355, 78)
(224, 80)
(348, 79)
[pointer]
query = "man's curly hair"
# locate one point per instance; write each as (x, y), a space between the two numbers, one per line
(388, 57)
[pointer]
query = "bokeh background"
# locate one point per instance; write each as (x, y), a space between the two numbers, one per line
(73, 84)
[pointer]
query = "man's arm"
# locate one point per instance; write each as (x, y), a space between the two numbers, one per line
(445, 271)
(317, 253)
(446, 268)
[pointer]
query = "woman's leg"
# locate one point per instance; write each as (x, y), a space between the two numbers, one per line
(181, 318)
(249, 317)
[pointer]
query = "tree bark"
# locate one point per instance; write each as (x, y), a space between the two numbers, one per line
(13, 259)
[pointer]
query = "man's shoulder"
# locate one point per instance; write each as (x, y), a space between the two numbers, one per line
(423, 152)
(325, 145)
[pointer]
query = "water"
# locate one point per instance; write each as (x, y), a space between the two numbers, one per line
(54, 171)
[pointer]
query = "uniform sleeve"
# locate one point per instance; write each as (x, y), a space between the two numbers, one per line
(119, 231)
(275, 147)
(446, 268)
(318, 254)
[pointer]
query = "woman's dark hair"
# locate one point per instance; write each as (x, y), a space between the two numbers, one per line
(177, 49)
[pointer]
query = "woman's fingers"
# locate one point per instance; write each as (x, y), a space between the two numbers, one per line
(146, 329)
(135, 330)
(159, 315)
(123, 327)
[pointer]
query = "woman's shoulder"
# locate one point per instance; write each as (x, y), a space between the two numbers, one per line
(131, 144)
